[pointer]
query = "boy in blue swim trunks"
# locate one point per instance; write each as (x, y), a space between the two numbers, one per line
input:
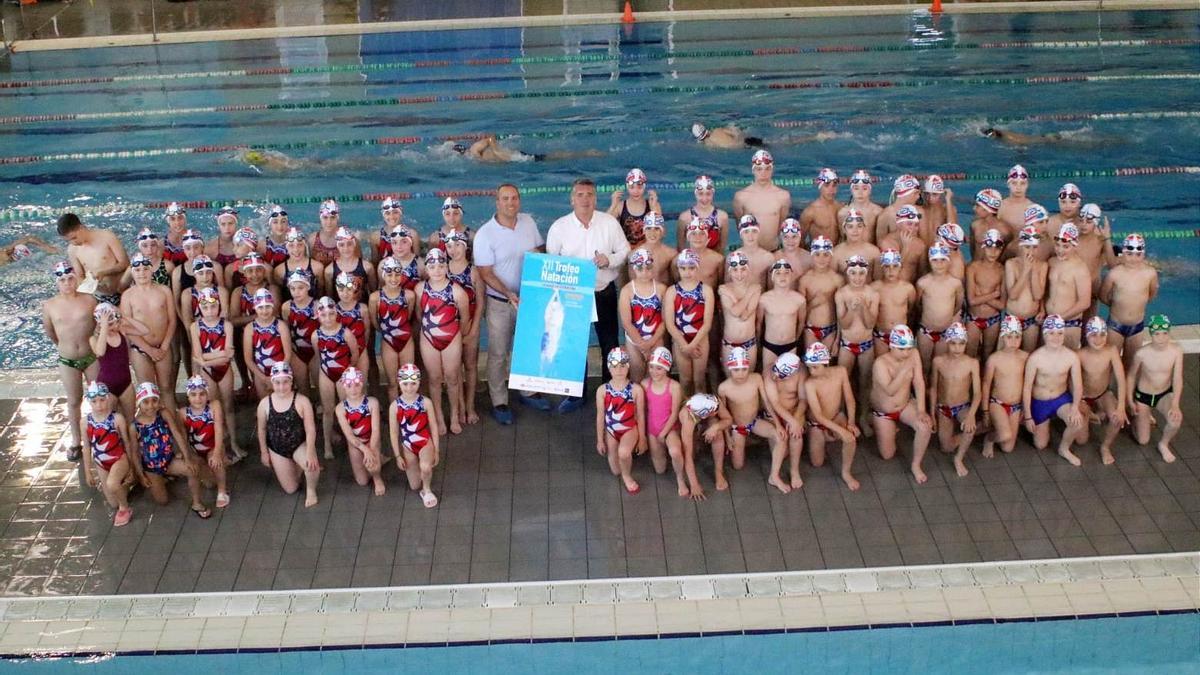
(1127, 289)
(1053, 388)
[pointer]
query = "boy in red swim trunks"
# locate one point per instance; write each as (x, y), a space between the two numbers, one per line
(745, 395)
(898, 397)
(1003, 382)
(414, 434)
(954, 395)
(707, 413)
(831, 412)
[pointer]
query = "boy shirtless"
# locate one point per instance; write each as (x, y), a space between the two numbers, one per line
(153, 305)
(716, 220)
(760, 258)
(985, 295)
(1100, 365)
(906, 190)
(954, 395)
(939, 205)
(706, 412)
(1095, 247)
(1003, 384)
(781, 315)
(1053, 387)
(820, 217)
(767, 202)
(1128, 288)
(855, 244)
(67, 320)
(1069, 201)
(1156, 383)
(791, 238)
(987, 205)
(709, 261)
(860, 200)
(831, 412)
(739, 308)
(1012, 207)
(785, 392)
(660, 253)
(819, 287)
(1069, 284)
(896, 298)
(898, 396)
(745, 396)
(951, 236)
(97, 254)
(857, 313)
(1025, 286)
(906, 239)
(1037, 218)
(941, 297)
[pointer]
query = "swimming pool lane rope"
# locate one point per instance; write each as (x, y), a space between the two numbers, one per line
(39, 212)
(414, 140)
(561, 93)
(583, 58)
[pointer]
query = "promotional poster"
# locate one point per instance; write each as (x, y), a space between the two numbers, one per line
(554, 325)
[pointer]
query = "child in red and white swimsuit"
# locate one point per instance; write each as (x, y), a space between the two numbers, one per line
(212, 352)
(621, 419)
(300, 313)
(414, 434)
(107, 462)
(443, 304)
(358, 416)
(265, 342)
(337, 350)
(202, 421)
(392, 314)
(353, 315)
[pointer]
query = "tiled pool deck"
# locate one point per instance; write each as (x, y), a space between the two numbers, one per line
(533, 502)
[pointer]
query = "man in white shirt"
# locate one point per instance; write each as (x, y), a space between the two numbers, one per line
(499, 251)
(596, 236)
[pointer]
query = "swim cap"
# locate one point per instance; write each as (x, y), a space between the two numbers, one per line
(252, 260)
(1096, 326)
(956, 332)
(901, 337)
(1134, 242)
(390, 264)
(993, 239)
(908, 214)
(1011, 325)
(208, 296)
(697, 225)
(781, 264)
(175, 209)
(352, 375)
(790, 226)
(821, 244)
(653, 220)
(826, 176)
(96, 390)
(191, 237)
(737, 259)
(298, 277)
(786, 365)
(253, 156)
(934, 184)
(952, 234)
(1053, 322)
(703, 406)
(326, 302)
(1018, 172)
(347, 280)
(62, 268)
(737, 358)
(226, 211)
(1090, 212)
(263, 297)
(661, 356)
(21, 251)
(146, 234)
(139, 260)
(246, 237)
(329, 208)
(343, 233)
(195, 383)
(144, 391)
(280, 370)
(390, 204)
(861, 176)
(705, 183)
(294, 234)
(939, 252)
(457, 237)
(1068, 191)
(1068, 234)
(817, 354)
(762, 157)
(1029, 236)
(202, 263)
(641, 258)
(687, 258)
(401, 231)
(890, 257)
(276, 211)
(106, 309)
(408, 372)
(853, 214)
(857, 261)
(905, 184)
(435, 256)
(635, 176)
(989, 199)
(1159, 323)
(451, 203)
(748, 221)
(699, 131)
(1036, 213)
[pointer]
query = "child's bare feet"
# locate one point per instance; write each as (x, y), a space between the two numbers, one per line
(851, 482)
(779, 484)
(722, 484)
(1106, 455)
(1070, 457)
(1165, 451)
(960, 468)
(919, 475)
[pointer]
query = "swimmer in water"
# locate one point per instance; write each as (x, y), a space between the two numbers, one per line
(23, 248)
(489, 150)
(1055, 138)
(729, 137)
(273, 161)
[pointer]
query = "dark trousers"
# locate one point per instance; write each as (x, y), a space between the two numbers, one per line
(608, 324)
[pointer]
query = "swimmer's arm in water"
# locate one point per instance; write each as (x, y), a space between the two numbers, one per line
(32, 240)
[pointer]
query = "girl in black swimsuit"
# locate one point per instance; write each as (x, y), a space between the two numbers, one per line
(287, 435)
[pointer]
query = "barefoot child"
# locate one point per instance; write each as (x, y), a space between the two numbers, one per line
(275, 243)
(107, 462)
(337, 350)
(781, 315)
(985, 295)
(112, 352)
(203, 419)
(1025, 286)
(954, 394)
(739, 307)
(1156, 383)
(391, 309)
(745, 396)
(463, 273)
(300, 313)
(1069, 284)
(896, 298)
(820, 217)
(443, 306)
(620, 420)
(941, 297)
(287, 435)
(664, 397)
(819, 288)
(689, 303)
(706, 413)
(153, 305)
(1053, 387)
(353, 315)
(898, 397)
(1100, 365)
(265, 342)
(640, 309)
(831, 412)
(1128, 288)
(1003, 383)
(405, 252)
(785, 392)
(68, 322)
(358, 416)
(857, 312)
(211, 338)
(414, 434)
(164, 450)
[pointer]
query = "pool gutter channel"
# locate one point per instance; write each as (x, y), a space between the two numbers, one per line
(143, 39)
(604, 609)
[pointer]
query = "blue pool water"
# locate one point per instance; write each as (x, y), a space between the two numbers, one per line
(1146, 644)
(623, 91)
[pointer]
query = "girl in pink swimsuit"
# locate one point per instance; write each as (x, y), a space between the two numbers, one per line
(664, 397)
(621, 420)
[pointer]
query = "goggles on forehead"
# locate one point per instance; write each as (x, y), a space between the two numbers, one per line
(201, 264)
(139, 261)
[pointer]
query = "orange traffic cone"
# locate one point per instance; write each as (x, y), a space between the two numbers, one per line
(937, 7)
(627, 17)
